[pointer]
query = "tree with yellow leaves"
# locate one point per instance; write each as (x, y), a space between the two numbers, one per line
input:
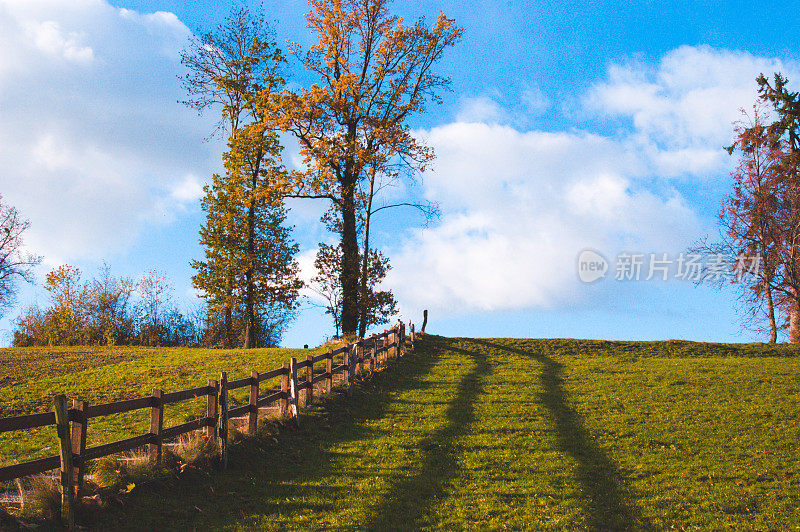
(249, 274)
(374, 72)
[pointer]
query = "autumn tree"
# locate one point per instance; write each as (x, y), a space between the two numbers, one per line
(249, 263)
(109, 308)
(373, 73)
(68, 313)
(106, 310)
(378, 305)
(749, 213)
(786, 131)
(15, 263)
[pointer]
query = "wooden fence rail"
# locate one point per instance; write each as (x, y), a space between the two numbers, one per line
(72, 423)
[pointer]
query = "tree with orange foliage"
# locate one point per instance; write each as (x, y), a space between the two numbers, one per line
(750, 213)
(374, 72)
(67, 316)
(785, 132)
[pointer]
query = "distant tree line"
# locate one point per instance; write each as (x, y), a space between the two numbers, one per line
(108, 310)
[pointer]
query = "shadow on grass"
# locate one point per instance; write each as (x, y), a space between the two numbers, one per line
(609, 501)
(408, 500)
(273, 476)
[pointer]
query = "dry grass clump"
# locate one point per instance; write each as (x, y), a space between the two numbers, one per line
(125, 471)
(192, 451)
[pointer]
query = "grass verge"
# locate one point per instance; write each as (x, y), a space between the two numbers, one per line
(535, 434)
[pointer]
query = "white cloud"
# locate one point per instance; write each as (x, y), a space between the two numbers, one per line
(93, 144)
(518, 206)
(48, 37)
(189, 190)
(534, 100)
(681, 108)
(480, 109)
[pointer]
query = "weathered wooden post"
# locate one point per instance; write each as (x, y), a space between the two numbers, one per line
(223, 419)
(396, 340)
(329, 371)
(424, 319)
(360, 357)
(156, 424)
(372, 354)
(346, 362)
(65, 451)
(351, 367)
(309, 380)
(212, 402)
(252, 417)
(293, 390)
(79, 426)
(412, 337)
(402, 338)
(285, 390)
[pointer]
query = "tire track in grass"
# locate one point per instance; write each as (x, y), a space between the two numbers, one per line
(407, 502)
(608, 499)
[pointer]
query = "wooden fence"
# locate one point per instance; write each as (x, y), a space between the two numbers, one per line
(72, 424)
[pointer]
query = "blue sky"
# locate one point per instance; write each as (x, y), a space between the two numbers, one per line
(568, 126)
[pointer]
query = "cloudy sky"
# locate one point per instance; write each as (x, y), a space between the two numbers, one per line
(567, 127)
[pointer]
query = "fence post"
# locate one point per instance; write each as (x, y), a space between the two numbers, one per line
(329, 371)
(293, 390)
(396, 341)
(253, 415)
(285, 390)
(223, 418)
(424, 319)
(65, 448)
(79, 427)
(402, 338)
(156, 424)
(360, 357)
(211, 408)
(372, 354)
(351, 368)
(309, 380)
(412, 337)
(346, 362)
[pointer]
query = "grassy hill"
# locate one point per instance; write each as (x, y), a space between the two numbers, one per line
(501, 433)
(30, 376)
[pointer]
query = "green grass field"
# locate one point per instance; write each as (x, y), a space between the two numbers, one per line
(519, 434)
(29, 377)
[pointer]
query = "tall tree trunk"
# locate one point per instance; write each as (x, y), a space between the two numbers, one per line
(794, 318)
(249, 332)
(226, 333)
(773, 328)
(362, 318)
(349, 275)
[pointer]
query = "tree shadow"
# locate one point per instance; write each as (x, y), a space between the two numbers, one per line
(266, 472)
(408, 500)
(608, 499)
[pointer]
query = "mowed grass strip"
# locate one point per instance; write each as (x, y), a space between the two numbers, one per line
(102, 375)
(525, 434)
